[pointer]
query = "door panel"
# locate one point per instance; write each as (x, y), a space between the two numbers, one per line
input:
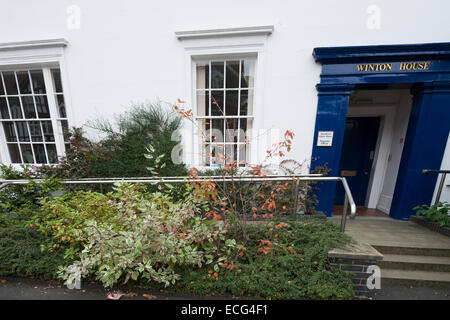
(358, 150)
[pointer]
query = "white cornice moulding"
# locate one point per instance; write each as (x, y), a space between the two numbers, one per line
(34, 44)
(249, 31)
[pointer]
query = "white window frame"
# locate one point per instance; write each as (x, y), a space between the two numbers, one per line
(198, 140)
(222, 44)
(44, 55)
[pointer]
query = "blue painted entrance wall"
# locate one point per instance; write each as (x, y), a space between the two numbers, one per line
(343, 69)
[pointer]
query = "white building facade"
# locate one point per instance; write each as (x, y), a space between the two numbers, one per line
(66, 62)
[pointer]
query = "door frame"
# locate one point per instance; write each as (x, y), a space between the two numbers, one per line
(387, 113)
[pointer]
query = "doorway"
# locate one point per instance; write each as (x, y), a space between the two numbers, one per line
(374, 132)
(357, 156)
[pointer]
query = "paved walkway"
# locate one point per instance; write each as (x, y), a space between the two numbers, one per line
(410, 293)
(32, 289)
(15, 288)
(385, 231)
(360, 212)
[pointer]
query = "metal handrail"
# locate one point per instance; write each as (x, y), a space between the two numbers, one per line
(156, 180)
(441, 183)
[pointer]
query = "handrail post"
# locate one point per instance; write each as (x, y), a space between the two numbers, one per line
(296, 187)
(344, 213)
(441, 185)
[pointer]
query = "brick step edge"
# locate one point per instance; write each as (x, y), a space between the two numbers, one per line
(415, 283)
(433, 226)
(422, 266)
(413, 251)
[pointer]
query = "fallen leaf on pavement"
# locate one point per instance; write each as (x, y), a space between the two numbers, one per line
(3, 281)
(149, 296)
(114, 296)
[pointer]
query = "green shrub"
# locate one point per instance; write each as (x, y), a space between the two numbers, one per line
(19, 202)
(121, 153)
(287, 260)
(148, 236)
(21, 254)
(63, 219)
(439, 214)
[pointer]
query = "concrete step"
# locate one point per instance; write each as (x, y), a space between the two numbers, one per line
(416, 251)
(415, 263)
(415, 278)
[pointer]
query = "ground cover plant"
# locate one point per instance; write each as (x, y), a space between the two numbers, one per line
(21, 254)
(285, 260)
(439, 213)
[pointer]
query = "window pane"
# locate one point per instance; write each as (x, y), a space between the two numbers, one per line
(27, 153)
(24, 82)
(203, 103)
(246, 126)
(217, 103)
(2, 90)
(247, 73)
(61, 106)
(14, 106)
(10, 131)
(203, 76)
(231, 153)
(14, 153)
(231, 130)
(231, 103)
(217, 74)
(205, 154)
(51, 151)
(48, 131)
(4, 113)
(37, 79)
(217, 130)
(246, 102)
(28, 107)
(203, 125)
(42, 106)
(243, 158)
(232, 74)
(65, 127)
(10, 82)
(217, 152)
(39, 152)
(57, 80)
(22, 131)
(35, 131)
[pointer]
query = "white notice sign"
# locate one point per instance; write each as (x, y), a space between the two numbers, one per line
(325, 138)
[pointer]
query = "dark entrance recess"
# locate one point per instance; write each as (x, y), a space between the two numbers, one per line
(358, 151)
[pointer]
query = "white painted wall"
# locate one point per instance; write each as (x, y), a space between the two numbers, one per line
(127, 50)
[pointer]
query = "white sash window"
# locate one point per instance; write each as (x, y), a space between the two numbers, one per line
(225, 95)
(32, 115)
